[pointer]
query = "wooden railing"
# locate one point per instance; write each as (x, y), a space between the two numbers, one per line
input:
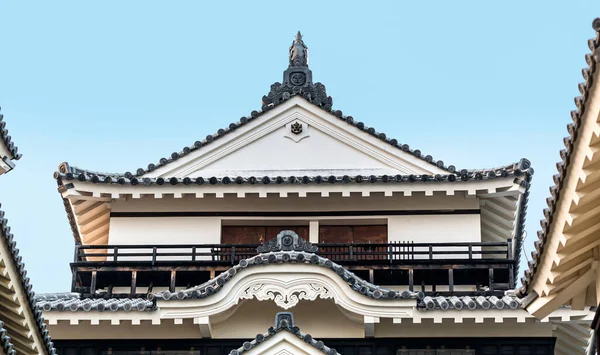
(354, 253)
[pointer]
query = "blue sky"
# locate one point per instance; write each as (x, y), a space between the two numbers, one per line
(115, 85)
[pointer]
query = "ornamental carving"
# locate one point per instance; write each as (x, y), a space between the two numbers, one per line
(286, 298)
(296, 128)
(287, 240)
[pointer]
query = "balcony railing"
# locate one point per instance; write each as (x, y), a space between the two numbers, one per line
(437, 268)
(346, 254)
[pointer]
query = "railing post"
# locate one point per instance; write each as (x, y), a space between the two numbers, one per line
(153, 255)
(351, 251)
(76, 256)
(93, 283)
(233, 255)
(411, 278)
(451, 280)
(509, 251)
(390, 255)
(133, 283)
(193, 253)
(430, 252)
(491, 271)
(470, 251)
(115, 254)
(172, 283)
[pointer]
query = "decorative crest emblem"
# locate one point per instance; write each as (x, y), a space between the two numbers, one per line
(296, 128)
(287, 241)
(298, 79)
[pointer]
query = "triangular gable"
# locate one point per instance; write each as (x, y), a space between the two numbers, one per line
(297, 138)
(284, 338)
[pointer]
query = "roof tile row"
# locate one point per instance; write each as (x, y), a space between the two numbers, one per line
(6, 139)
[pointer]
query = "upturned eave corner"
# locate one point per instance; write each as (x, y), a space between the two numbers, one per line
(562, 269)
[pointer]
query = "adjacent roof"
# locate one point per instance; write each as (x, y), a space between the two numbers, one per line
(284, 321)
(6, 139)
(7, 238)
(73, 302)
(565, 219)
(7, 146)
(5, 344)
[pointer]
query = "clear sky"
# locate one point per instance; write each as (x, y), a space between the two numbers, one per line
(115, 85)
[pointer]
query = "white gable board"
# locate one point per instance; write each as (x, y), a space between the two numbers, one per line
(284, 343)
(296, 138)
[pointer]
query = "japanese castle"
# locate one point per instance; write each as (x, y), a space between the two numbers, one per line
(359, 244)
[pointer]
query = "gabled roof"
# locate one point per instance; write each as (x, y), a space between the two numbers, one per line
(284, 321)
(559, 265)
(314, 93)
(33, 323)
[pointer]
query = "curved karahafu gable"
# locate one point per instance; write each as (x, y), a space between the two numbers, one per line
(8, 149)
(564, 267)
(273, 343)
(286, 248)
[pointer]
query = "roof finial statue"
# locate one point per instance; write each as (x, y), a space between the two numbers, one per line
(298, 52)
(297, 80)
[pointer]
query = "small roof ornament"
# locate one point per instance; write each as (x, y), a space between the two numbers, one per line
(297, 80)
(298, 52)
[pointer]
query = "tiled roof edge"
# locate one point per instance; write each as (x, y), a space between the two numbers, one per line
(593, 60)
(25, 283)
(5, 341)
(73, 302)
(67, 173)
(282, 257)
(507, 302)
(6, 139)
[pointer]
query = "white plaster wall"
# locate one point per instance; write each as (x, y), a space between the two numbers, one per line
(436, 229)
(164, 230)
